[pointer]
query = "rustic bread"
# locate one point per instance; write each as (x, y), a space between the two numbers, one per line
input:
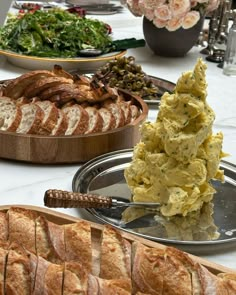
(3, 261)
(32, 117)
(75, 279)
(115, 255)
(98, 286)
(10, 114)
(117, 112)
(95, 120)
(108, 119)
(48, 278)
(42, 84)
(125, 105)
(17, 86)
(50, 117)
(21, 223)
(17, 275)
(50, 242)
(78, 120)
(135, 112)
(3, 227)
(78, 246)
(61, 124)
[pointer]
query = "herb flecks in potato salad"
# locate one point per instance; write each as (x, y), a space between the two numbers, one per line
(53, 33)
(178, 155)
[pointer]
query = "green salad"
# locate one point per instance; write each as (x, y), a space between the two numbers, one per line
(53, 33)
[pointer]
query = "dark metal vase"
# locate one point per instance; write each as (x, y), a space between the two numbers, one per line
(171, 44)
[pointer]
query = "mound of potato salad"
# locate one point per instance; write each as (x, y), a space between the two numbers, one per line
(178, 154)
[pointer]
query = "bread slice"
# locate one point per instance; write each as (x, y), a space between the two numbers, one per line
(3, 261)
(61, 124)
(108, 119)
(10, 114)
(3, 227)
(17, 86)
(78, 246)
(95, 120)
(50, 117)
(115, 256)
(50, 242)
(48, 278)
(32, 117)
(17, 276)
(98, 286)
(135, 112)
(75, 279)
(117, 112)
(125, 105)
(78, 120)
(21, 223)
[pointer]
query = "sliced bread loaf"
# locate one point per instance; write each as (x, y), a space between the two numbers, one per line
(95, 120)
(108, 119)
(50, 116)
(10, 114)
(117, 112)
(61, 125)
(78, 120)
(32, 117)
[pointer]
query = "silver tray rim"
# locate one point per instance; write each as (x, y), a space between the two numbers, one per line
(107, 156)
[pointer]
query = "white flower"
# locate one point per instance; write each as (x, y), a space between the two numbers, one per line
(190, 19)
(163, 12)
(179, 7)
(159, 23)
(174, 24)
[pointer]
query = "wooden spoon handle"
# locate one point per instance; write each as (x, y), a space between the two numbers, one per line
(54, 198)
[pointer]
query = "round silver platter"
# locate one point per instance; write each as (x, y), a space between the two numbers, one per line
(104, 175)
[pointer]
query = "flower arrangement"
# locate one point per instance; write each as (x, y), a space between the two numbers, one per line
(172, 14)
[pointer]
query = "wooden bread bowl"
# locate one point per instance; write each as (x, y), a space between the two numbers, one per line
(75, 148)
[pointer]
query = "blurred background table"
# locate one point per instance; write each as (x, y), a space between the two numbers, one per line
(23, 183)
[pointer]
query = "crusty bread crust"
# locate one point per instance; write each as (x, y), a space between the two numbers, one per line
(95, 120)
(21, 225)
(115, 255)
(10, 114)
(3, 227)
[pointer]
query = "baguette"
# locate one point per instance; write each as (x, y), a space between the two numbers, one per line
(21, 224)
(3, 261)
(98, 286)
(75, 279)
(115, 255)
(50, 242)
(117, 112)
(17, 276)
(78, 246)
(3, 227)
(48, 278)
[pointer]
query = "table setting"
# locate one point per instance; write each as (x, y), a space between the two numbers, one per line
(108, 177)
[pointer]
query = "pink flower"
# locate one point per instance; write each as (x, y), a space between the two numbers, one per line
(159, 23)
(133, 6)
(163, 12)
(179, 7)
(190, 19)
(174, 24)
(149, 14)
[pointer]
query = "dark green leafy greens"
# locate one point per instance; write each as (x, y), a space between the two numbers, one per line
(54, 33)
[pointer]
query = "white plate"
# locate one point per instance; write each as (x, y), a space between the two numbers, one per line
(83, 65)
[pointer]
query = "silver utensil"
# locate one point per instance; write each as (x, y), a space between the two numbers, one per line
(54, 198)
